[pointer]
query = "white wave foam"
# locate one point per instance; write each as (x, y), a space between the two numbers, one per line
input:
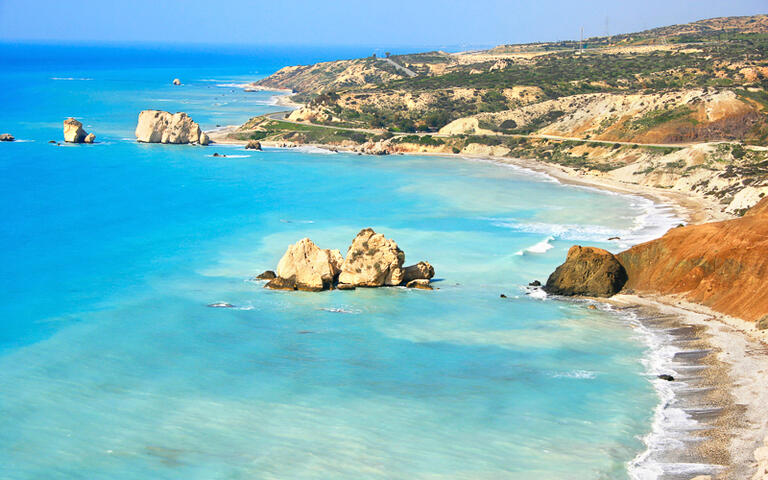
(577, 374)
(313, 149)
(595, 233)
(535, 292)
(671, 425)
(342, 309)
(653, 221)
(542, 247)
(283, 220)
(72, 79)
(233, 85)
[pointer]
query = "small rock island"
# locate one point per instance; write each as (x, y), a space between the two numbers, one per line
(157, 126)
(74, 133)
(372, 261)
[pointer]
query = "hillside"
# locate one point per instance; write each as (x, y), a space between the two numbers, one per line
(674, 91)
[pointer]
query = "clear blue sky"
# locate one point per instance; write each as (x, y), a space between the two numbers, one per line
(347, 22)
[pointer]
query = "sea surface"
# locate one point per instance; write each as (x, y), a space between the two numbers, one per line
(113, 365)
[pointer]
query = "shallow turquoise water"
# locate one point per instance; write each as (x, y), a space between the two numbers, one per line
(112, 365)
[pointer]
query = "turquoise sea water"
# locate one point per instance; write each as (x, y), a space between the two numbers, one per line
(112, 365)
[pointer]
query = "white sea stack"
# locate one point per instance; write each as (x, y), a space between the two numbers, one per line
(305, 266)
(372, 261)
(73, 131)
(157, 126)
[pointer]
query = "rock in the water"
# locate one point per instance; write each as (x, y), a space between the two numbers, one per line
(305, 266)
(156, 126)
(6, 137)
(587, 271)
(267, 275)
(372, 261)
(422, 270)
(535, 283)
(221, 305)
(73, 131)
(420, 283)
(344, 286)
(502, 296)
(176, 81)
(281, 284)
(90, 138)
(253, 145)
(668, 378)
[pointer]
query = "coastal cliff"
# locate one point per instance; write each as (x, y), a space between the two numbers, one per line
(723, 265)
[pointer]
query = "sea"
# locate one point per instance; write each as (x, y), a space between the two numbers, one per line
(114, 365)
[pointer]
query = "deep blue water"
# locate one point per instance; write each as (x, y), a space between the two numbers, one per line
(113, 366)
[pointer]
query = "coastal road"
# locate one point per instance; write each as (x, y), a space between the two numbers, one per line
(410, 73)
(282, 117)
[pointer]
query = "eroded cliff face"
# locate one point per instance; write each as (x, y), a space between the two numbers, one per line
(722, 265)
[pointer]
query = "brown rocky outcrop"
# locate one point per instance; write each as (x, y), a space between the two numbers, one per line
(74, 133)
(372, 261)
(6, 137)
(253, 145)
(587, 271)
(305, 266)
(156, 126)
(723, 265)
(420, 271)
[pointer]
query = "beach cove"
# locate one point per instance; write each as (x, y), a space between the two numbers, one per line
(112, 356)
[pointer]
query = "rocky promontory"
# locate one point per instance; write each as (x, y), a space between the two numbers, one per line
(588, 271)
(722, 265)
(157, 126)
(372, 261)
(74, 133)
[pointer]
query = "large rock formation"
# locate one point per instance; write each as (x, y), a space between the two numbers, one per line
(305, 266)
(587, 271)
(6, 137)
(74, 133)
(723, 265)
(253, 145)
(156, 126)
(372, 261)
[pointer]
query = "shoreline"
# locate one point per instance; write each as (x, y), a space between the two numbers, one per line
(719, 360)
(724, 407)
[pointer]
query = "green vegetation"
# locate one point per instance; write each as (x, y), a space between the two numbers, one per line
(300, 133)
(659, 117)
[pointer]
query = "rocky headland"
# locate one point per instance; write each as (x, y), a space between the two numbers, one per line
(157, 126)
(372, 261)
(721, 265)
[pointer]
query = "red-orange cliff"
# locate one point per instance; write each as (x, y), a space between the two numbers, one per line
(723, 265)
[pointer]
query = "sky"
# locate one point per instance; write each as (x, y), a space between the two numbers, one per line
(396, 23)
